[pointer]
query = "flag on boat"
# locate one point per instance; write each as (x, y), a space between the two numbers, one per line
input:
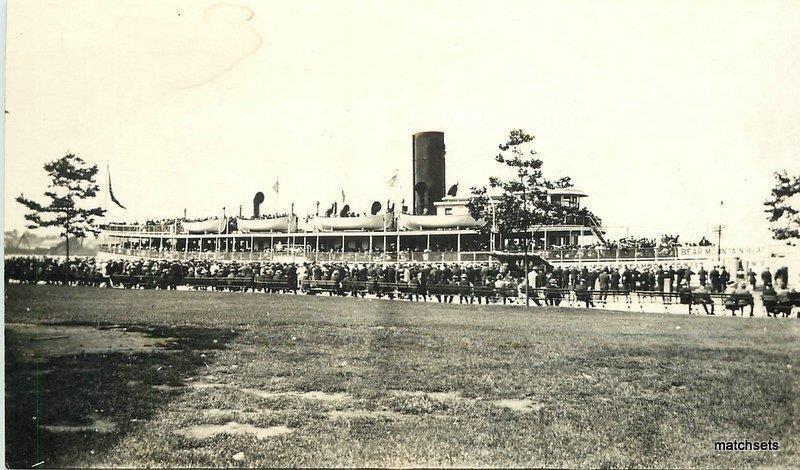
(110, 192)
(276, 187)
(393, 180)
(343, 196)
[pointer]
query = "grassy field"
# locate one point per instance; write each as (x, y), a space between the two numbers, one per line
(268, 380)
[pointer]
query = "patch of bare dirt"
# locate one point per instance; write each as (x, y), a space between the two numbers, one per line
(98, 425)
(356, 414)
(206, 431)
(313, 395)
(37, 343)
(522, 405)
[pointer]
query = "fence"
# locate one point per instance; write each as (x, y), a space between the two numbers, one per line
(587, 255)
(610, 254)
(300, 256)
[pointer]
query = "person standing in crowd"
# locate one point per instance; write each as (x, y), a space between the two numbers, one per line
(291, 278)
(484, 273)
(604, 280)
(615, 278)
(532, 278)
(702, 275)
(406, 275)
(625, 278)
(713, 276)
(541, 279)
(687, 275)
(670, 278)
(557, 274)
(766, 277)
(636, 279)
(782, 273)
(591, 279)
(464, 295)
(724, 277)
(751, 279)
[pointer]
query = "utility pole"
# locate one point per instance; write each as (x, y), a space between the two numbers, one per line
(525, 262)
(719, 234)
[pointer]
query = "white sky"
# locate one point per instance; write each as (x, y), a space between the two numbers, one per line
(657, 109)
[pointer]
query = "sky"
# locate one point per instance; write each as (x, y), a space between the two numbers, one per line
(659, 110)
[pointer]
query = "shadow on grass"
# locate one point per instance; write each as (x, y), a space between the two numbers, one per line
(86, 389)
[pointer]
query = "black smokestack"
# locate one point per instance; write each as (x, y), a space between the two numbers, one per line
(428, 162)
(257, 201)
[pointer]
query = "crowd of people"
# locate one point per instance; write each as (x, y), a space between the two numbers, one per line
(583, 281)
(276, 215)
(627, 243)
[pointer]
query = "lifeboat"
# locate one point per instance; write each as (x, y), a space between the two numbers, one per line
(369, 222)
(433, 222)
(278, 224)
(204, 226)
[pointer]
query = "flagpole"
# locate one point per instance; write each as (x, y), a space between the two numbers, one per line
(108, 185)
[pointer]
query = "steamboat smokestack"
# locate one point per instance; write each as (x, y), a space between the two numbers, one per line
(257, 201)
(428, 161)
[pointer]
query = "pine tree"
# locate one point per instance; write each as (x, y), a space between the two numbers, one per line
(780, 207)
(524, 203)
(72, 181)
